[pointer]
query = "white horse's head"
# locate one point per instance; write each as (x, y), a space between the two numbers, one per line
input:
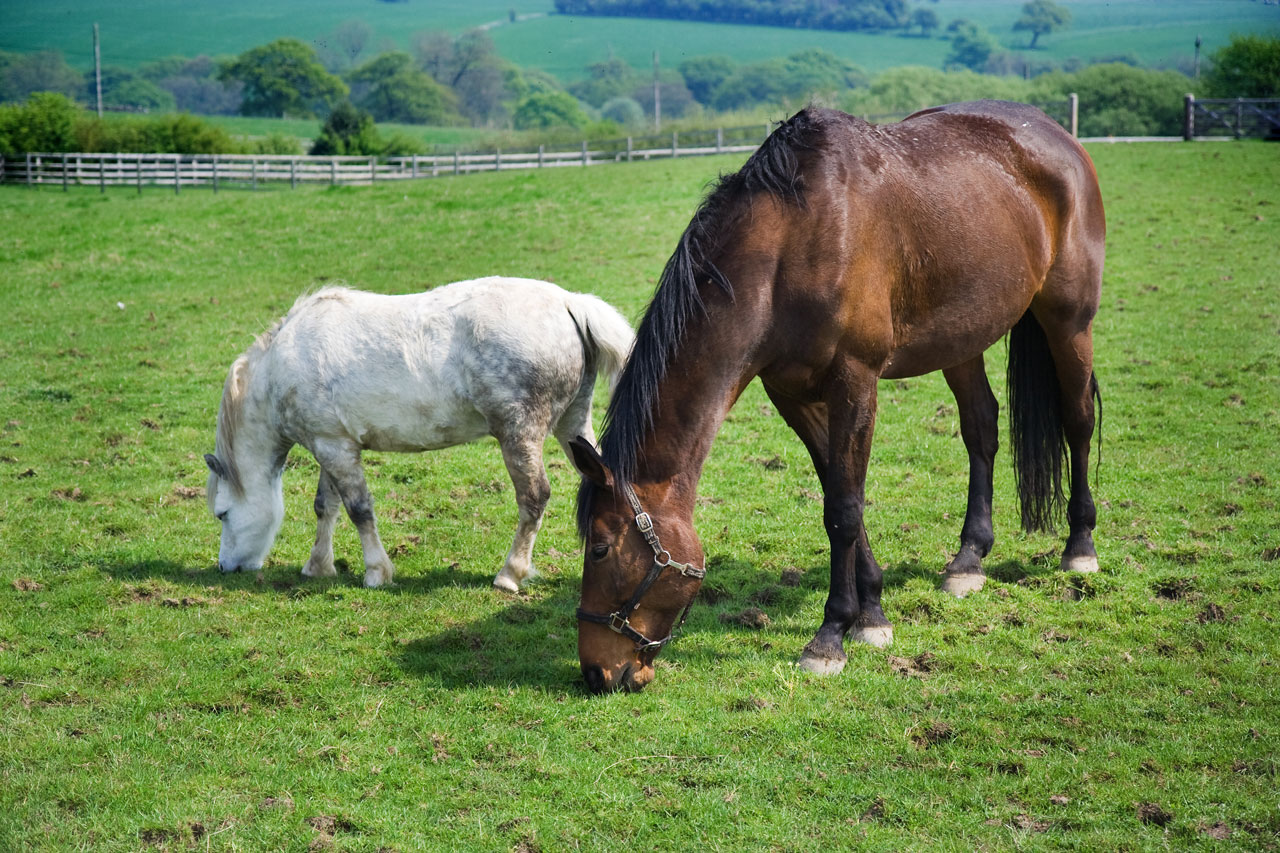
(251, 511)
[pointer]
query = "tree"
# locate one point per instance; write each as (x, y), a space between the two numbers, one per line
(926, 19)
(817, 71)
(543, 110)
(392, 89)
(1248, 67)
(347, 130)
(44, 71)
(46, 122)
(625, 112)
(971, 47)
(612, 78)
(1041, 17)
(1120, 100)
(470, 66)
(283, 78)
(702, 74)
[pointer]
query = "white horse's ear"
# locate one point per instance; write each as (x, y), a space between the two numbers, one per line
(215, 465)
(588, 461)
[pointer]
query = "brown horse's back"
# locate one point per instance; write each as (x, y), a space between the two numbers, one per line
(928, 239)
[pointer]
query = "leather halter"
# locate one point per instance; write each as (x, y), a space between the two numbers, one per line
(619, 620)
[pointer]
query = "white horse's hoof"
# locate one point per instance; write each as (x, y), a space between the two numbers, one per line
(880, 636)
(376, 576)
(506, 583)
(1084, 563)
(319, 568)
(963, 583)
(820, 666)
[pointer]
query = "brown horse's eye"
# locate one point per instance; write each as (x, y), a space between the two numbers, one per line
(599, 552)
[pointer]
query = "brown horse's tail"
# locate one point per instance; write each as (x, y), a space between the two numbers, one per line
(1035, 424)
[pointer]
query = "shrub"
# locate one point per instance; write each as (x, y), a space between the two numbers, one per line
(46, 122)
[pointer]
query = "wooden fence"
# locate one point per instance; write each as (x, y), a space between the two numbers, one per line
(219, 171)
(1236, 117)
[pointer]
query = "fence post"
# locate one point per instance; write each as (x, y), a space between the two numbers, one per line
(719, 139)
(64, 173)
(137, 174)
(28, 169)
(373, 170)
(415, 165)
(1189, 118)
(177, 175)
(541, 151)
(585, 159)
(253, 172)
(629, 149)
(333, 172)
(675, 144)
(1239, 118)
(293, 173)
(497, 159)
(1074, 101)
(457, 165)
(215, 174)
(102, 174)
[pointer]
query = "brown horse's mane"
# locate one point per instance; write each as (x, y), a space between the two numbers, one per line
(773, 170)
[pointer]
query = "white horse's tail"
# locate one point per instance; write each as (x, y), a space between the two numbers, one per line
(606, 336)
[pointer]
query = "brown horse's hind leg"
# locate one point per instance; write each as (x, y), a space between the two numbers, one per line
(1073, 363)
(979, 427)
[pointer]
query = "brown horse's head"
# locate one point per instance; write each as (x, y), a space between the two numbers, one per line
(619, 632)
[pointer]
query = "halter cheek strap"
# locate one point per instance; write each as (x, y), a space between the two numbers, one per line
(619, 620)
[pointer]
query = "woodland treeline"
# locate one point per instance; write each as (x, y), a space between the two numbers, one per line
(809, 14)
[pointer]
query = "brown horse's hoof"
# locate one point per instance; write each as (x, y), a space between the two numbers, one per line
(961, 584)
(821, 666)
(1084, 563)
(880, 636)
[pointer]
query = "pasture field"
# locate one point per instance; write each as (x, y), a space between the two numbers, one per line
(138, 31)
(151, 702)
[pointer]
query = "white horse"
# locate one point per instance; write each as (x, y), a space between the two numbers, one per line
(347, 371)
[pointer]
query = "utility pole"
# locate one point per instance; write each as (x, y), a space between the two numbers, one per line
(657, 96)
(97, 67)
(1197, 57)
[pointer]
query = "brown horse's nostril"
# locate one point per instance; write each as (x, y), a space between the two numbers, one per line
(594, 677)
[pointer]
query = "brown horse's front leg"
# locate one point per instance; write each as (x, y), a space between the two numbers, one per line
(853, 601)
(979, 427)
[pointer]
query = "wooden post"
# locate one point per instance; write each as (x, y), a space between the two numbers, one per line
(415, 165)
(373, 170)
(585, 160)
(333, 172)
(457, 165)
(64, 173)
(1189, 118)
(1239, 118)
(541, 151)
(1074, 101)
(177, 174)
(253, 171)
(102, 174)
(215, 174)
(28, 168)
(719, 139)
(137, 173)
(497, 159)
(293, 173)
(675, 145)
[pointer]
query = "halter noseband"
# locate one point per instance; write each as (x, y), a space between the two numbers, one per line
(619, 620)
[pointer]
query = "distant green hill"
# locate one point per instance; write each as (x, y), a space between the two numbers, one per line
(136, 31)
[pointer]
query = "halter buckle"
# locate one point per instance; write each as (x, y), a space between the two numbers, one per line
(618, 623)
(644, 522)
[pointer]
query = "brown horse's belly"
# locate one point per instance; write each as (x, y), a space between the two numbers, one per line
(921, 351)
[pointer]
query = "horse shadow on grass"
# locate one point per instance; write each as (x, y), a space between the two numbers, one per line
(530, 640)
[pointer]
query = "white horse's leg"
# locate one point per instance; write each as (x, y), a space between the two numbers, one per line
(523, 457)
(576, 421)
(327, 505)
(341, 461)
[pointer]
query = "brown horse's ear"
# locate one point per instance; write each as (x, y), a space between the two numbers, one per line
(587, 460)
(215, 465)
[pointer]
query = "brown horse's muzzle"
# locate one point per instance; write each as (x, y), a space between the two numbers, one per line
(610, 662)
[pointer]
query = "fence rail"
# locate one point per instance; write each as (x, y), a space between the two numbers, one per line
(1237, 117)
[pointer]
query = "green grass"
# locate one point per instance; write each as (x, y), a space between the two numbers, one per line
(138, 31)
(152, 702)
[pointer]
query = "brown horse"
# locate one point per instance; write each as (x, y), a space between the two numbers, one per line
(843, 253)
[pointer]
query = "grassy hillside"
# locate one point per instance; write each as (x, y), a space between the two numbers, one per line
(151, 702)
(136, 31)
